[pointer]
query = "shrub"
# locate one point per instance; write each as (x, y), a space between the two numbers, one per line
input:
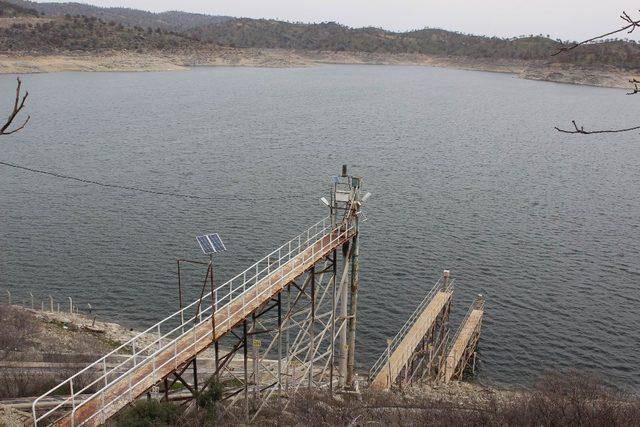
(208, 398)
(148, 413)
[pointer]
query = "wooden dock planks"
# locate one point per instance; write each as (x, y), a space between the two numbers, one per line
(466, 338)
(128, 388)
(407, 346)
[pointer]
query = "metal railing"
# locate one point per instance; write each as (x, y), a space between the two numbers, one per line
(383, 359)
(231, 298)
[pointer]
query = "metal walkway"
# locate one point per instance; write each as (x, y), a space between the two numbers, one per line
(173, 342)
(465, 342)
(421, 324)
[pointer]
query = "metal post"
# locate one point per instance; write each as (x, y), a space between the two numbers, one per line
(333, 321)
(313, 323)
(180, 297)
(353, 312)
(213, 308)
(70, 305)
(195, 374)
(280, 343)
(288, 336)
(51, 302)
(344, 314)
(31, 294)
(389, 341)
(254, 351)
(246, 374)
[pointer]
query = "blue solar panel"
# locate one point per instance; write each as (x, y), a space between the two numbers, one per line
(211, 243)
(205, 245)
(216, 241)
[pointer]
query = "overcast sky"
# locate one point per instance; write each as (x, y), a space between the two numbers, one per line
(566, 19)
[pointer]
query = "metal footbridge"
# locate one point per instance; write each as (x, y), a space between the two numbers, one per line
(415, 339)
(423, 350)
(465, 342)
(310, 341)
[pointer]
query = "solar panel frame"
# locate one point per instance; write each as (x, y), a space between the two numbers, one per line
(211, 243)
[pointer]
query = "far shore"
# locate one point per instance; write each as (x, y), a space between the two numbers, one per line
(21, 63)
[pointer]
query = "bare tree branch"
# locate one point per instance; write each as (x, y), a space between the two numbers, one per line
(581, 130)
(632, 24)
(18, 105)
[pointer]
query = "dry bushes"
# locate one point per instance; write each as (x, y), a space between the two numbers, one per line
(561, 399)
(17, 327)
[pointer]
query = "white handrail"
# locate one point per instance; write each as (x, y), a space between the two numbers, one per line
(240, 288)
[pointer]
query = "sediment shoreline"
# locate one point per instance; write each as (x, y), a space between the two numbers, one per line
(27, 62)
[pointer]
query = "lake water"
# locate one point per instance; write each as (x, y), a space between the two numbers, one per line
(466, 173)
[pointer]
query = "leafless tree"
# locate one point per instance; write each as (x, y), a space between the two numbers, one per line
(18, 105)
(630, 25)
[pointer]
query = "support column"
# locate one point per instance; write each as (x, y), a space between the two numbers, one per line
(312, 344)
(280, 344)
(246, 374)
(333, 320)
(355, 270)
(344, 314)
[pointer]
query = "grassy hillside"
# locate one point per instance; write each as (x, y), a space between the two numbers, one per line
(174, 21)
(87, 34)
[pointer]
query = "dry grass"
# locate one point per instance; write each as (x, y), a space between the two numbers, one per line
(556, 400)
(561, 399)
(17, 328)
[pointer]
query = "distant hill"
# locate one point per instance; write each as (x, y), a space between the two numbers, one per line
(88, 34)
(11, 10)
(173, 21)
(330, 36)
(80, 27)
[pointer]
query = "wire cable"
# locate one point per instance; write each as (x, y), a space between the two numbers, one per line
(104, 184)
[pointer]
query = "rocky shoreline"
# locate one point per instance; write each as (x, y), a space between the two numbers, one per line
(25, 62)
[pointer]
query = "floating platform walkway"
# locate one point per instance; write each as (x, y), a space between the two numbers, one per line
(465, 343)
(422, 349)
(416, 337)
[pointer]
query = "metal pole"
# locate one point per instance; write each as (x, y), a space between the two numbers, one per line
(213, 316)
(254, 351)
(51, 301)
(180, 295)
(344, 297)
(389, 341)
(288, 336)
(333, 321)
(280, 343)
(355, 269)
(195, 374)
(313, 323)
(246, 375)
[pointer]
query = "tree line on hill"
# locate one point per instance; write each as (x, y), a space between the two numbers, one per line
(98, 29)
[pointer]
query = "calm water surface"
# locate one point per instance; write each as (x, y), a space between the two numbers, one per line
(466, 170)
